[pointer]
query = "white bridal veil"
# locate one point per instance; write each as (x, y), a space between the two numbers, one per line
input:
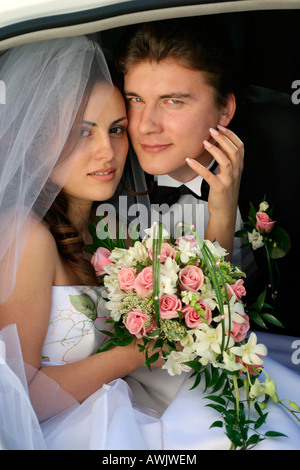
(46, 84)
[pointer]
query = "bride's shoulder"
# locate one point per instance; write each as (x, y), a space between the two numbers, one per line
(40, 236)
(40, 248)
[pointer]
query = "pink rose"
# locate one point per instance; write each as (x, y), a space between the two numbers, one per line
(191, 278)
(168, 306)
(138, 323)
(193, 318)
(100, 259)
(240, 330)
(236, 289)
(208, 313)
(143, 282)
(126, 278)
(167, 251)
(263, 222)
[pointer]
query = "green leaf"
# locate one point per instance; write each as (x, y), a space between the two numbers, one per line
(258, 305)
(275, 434)
(254, 439)
(158, 344)
(272, 319)
(194, 365)
(218, 408)
(84, 304)
(217, 399)
(154, 333)
(241, 233)
(261, 420)
(124, 342)
(207, 378)
(216, 424)
(252, 213)
(119, 332)
(197, 381)
(108, 333)
(254, 316)
(219, 383)
(214, 378)
(109, 344)
(152, 358)
(258, 408)
(281, 243)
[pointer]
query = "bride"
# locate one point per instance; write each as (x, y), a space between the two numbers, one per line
(63, 145)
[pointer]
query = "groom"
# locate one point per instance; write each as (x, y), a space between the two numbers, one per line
(180, 101)
(172, 116)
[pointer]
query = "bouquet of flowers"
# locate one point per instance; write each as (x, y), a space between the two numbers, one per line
(184, 301)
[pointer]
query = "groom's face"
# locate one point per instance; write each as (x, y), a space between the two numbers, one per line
(170, 109)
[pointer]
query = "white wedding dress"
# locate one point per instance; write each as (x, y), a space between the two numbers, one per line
(150, 410)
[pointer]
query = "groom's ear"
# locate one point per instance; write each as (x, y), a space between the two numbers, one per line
(228, 111)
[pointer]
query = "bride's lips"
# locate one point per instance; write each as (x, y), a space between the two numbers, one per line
(155, 148)
(103, 175)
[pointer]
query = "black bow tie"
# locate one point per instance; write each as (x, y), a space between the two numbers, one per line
(170, 195)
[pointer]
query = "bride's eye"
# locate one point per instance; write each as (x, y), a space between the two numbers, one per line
(85, 132)
(118, 131)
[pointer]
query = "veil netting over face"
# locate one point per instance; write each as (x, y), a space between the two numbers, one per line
(47, 85)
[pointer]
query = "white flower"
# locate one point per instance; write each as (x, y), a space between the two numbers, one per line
(126, 257)
(270, 387)
(188, 340)
(166, 286)
(251, 351)
(138, 252)
(115, 296)
(261, 388)
(102, 310)
(257, 389)
(209, 341)
(236, 313)
(208, 294)
(168, 276)
(216, 250)
(229, 362)
(151, 232)
(175, 360)
(186, 252)
(256, 239)
(122, 256)
(263, 206)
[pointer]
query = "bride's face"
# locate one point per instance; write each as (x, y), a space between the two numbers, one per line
(95, 166)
